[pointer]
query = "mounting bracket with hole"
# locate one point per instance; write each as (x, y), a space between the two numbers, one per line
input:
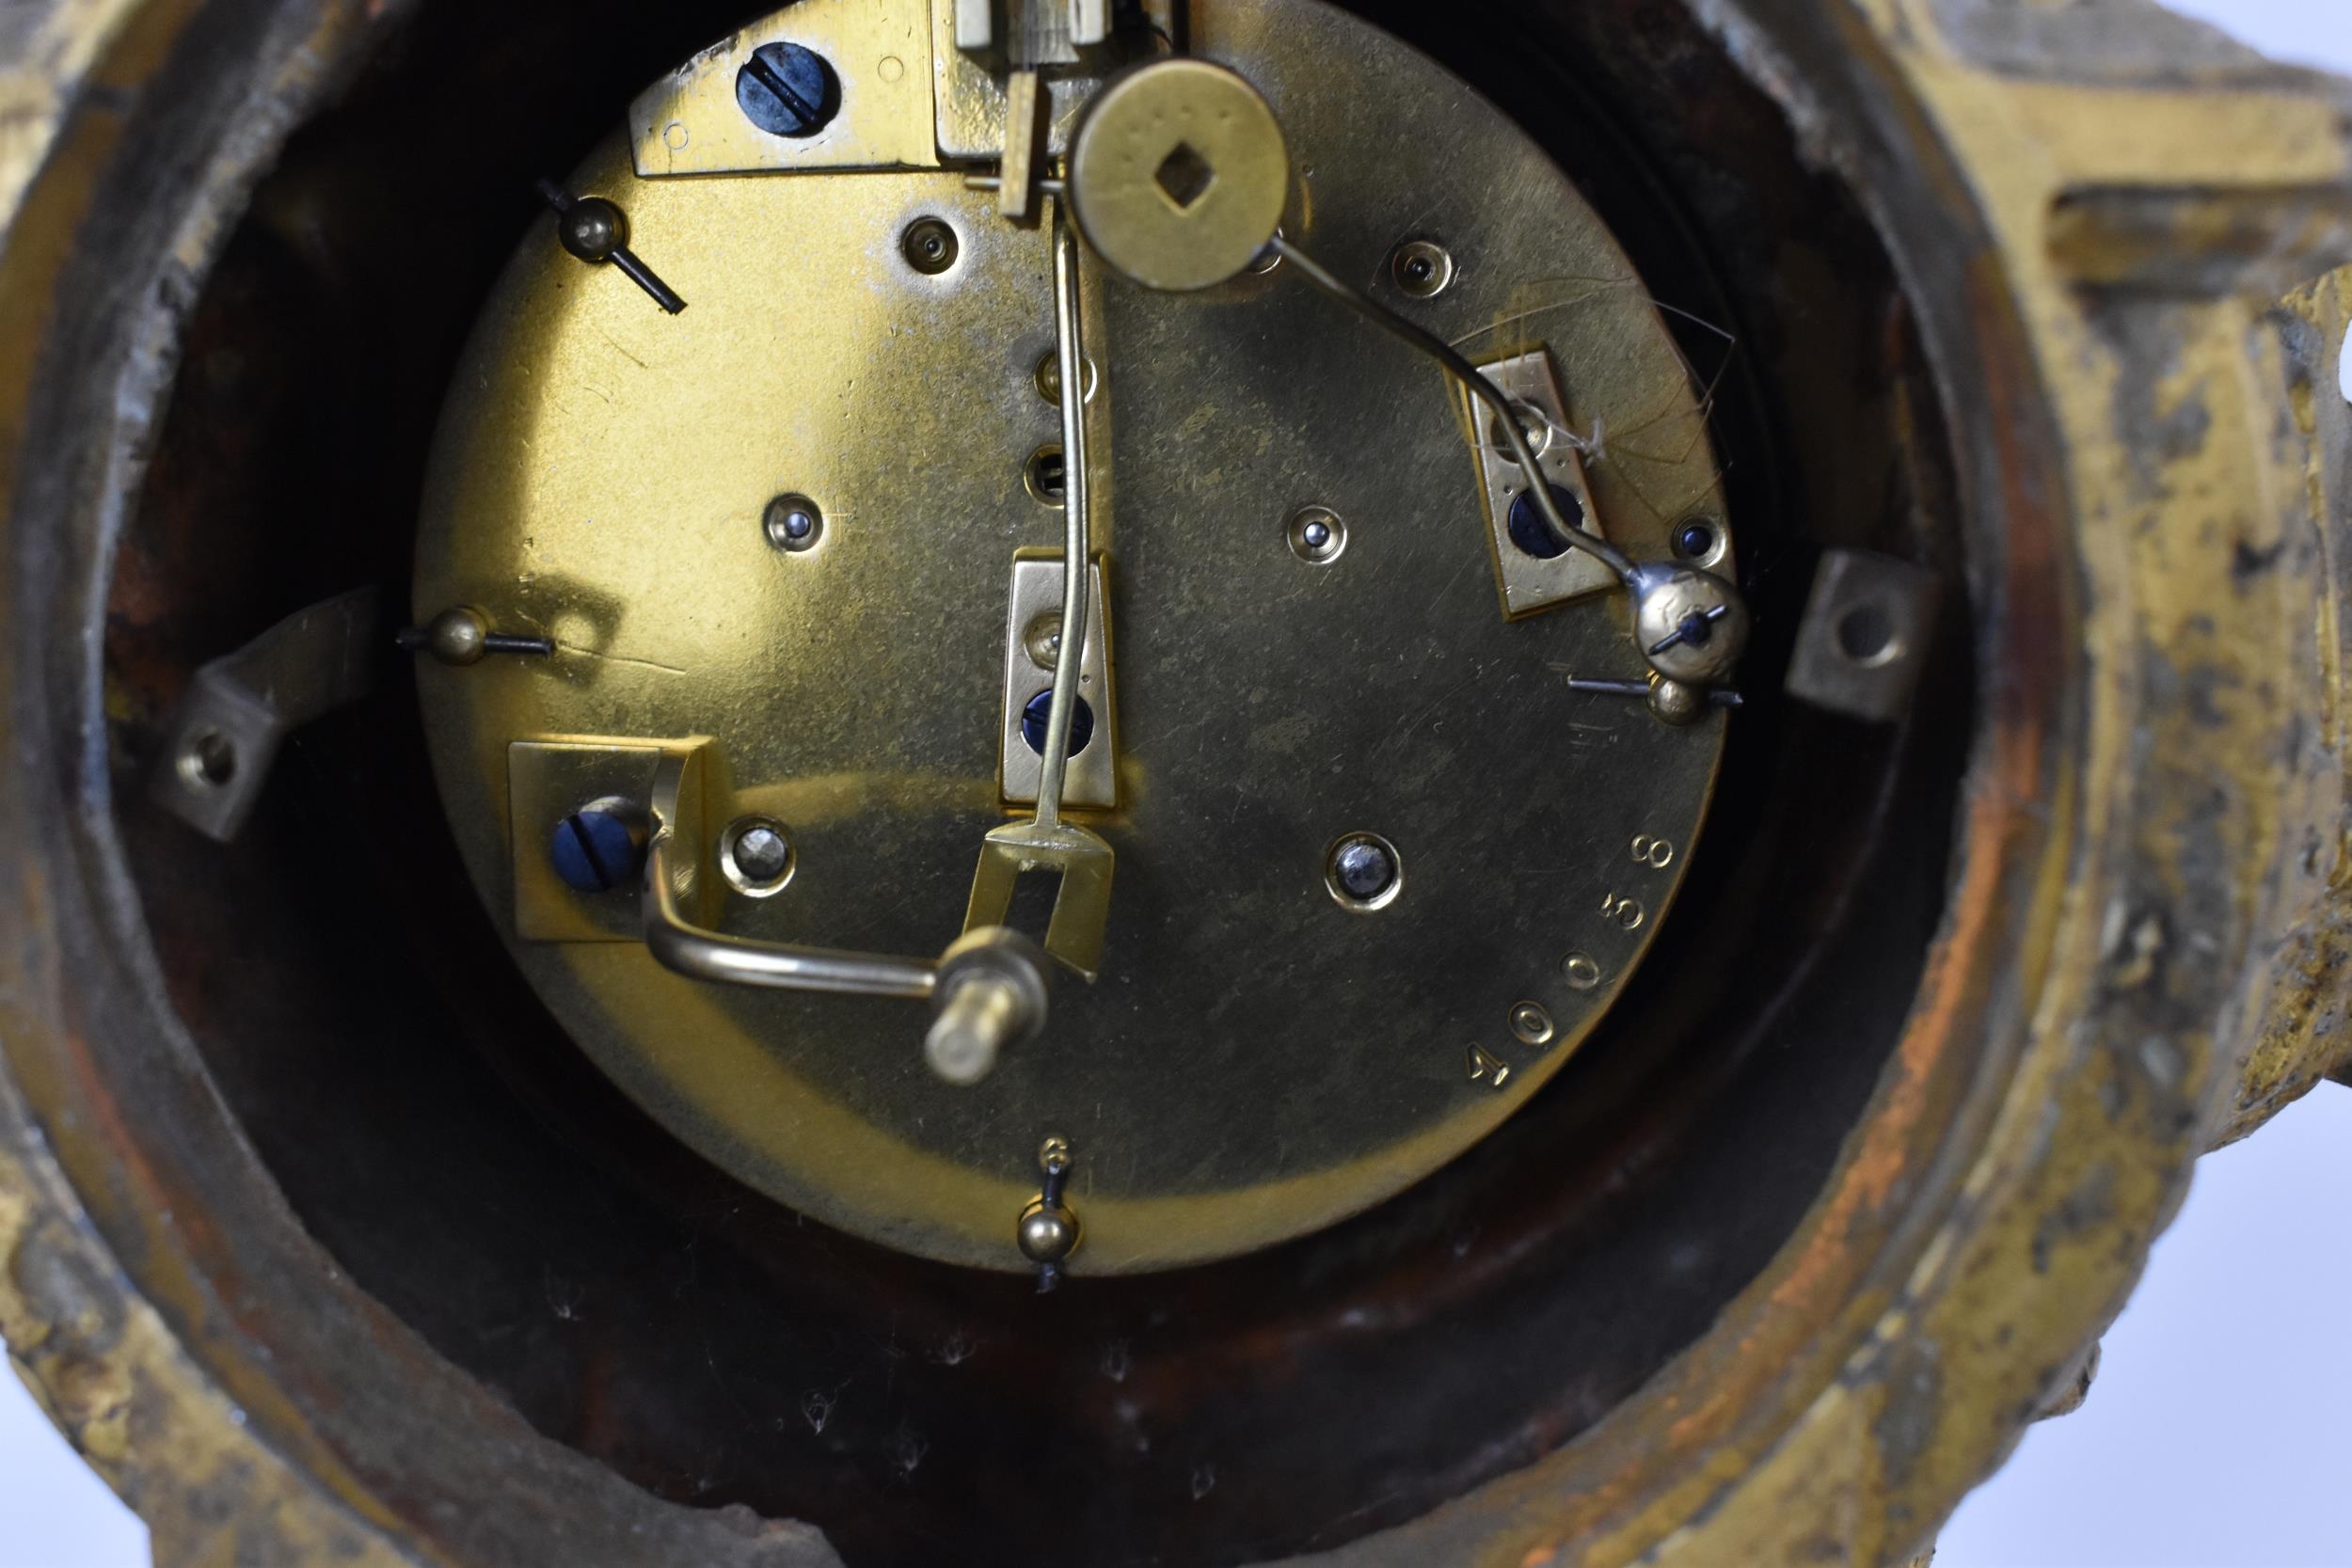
(239, 709)
(1864, 642)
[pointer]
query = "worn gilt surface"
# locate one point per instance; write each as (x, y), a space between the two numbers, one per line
(2208, 783)
(2304, 1037)
(2150, 190)
(99, 1359)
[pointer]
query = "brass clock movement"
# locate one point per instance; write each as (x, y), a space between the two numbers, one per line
(1342, 864)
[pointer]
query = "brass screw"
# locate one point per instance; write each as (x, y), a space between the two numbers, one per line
(756, 857)
(1048, 379)
(1047, 475)
(1316, 535)
(931, 246)
(1421, 268)
(793, 524)
(1043, 641)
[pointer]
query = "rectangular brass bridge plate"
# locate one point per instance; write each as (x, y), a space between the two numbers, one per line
(1530, 585)
(880, 52)
(545, 783)
(1092, 779)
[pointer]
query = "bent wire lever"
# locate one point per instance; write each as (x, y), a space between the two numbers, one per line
(988, 992)
(1046, 843)
(1691, 625)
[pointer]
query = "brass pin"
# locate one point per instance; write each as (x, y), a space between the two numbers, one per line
(596, 231)
(1049, 1231)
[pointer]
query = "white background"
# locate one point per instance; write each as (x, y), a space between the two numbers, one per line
(2219, 1434)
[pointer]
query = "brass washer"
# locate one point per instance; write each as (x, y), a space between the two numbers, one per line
(1179, 175)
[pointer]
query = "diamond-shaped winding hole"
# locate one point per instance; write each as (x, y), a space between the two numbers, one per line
(1185, 176)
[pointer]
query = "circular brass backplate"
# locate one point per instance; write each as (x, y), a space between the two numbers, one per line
(1179, 174)
(1258, 1059)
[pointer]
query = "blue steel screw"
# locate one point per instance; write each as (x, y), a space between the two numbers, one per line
(1038, 715)
(787, 90)
(598, 849)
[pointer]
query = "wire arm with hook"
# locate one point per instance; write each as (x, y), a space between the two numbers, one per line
(1691, 625)
(1474, 381)
(674, 871)
(988, 991)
